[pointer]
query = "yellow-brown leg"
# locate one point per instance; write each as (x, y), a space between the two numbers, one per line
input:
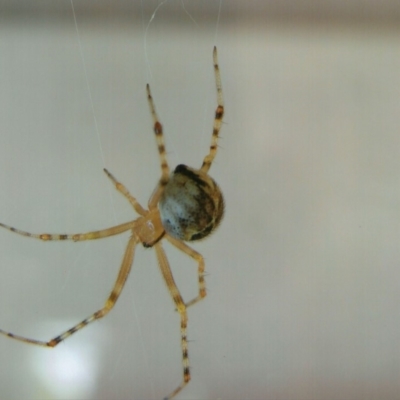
(181, 308)
(112, 299)
(182, 246)
(76, 237)
(158, 130)
(125, 192)
(219, 114)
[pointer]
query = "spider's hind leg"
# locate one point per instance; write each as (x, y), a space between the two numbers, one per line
(182, 246)
(181, 308)
(158, 130)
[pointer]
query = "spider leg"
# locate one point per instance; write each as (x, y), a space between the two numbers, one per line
(109, 304)
(122, 189)
(76, 237)
(158, 130)
(181, 307)
(219, 113)
(182, 246)
(155, 196)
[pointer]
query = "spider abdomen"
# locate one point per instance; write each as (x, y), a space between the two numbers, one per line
(192, 205)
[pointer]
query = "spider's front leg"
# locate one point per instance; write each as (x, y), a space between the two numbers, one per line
(77, 237)
(219, 114)
(158, 131)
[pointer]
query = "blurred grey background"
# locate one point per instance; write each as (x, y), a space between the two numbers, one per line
(303, 274)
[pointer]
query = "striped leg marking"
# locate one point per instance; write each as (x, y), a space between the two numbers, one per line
(200, 269)
(181, 308)
(219, 114)
(110, 303)
(76, 237)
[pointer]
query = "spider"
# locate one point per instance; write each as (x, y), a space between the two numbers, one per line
(186, 205)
